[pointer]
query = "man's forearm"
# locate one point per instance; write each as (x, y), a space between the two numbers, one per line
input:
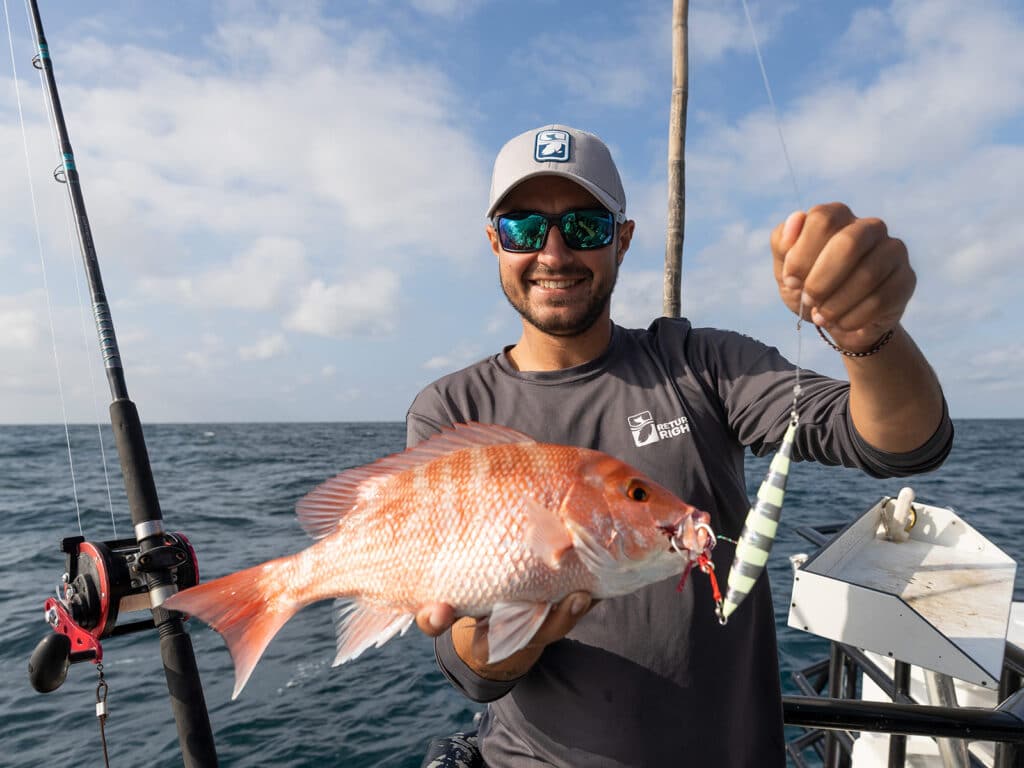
(895, 397)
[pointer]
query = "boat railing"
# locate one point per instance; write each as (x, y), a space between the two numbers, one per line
(831, 713)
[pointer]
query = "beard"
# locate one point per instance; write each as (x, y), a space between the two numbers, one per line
(568, 324)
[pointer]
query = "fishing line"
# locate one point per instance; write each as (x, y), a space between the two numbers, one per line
(42, 266)
(83, 321)
(796, 191)
(771, 102)
(84, 325)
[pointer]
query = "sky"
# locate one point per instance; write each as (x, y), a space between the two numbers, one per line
(288, 198)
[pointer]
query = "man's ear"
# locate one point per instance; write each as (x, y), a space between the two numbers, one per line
(492, 235)
(624, 239)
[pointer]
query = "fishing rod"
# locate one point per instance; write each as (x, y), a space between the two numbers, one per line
(104, 579)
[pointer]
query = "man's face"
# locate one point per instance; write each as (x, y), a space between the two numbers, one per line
(558, 290)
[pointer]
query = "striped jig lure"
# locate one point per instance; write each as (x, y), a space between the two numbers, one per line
(759, 528)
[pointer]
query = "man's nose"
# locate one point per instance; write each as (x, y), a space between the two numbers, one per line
(555, 252)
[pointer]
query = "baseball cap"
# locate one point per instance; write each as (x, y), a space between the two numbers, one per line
(558, 150)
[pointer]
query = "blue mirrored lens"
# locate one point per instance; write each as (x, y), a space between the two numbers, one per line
(522, 232)
(585, 230)
(526, 232)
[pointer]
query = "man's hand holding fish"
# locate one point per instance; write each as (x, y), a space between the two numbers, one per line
(470, 635)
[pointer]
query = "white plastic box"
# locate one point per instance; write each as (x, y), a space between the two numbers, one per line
(940, 600)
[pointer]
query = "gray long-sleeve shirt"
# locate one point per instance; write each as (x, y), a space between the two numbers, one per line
(651, 678)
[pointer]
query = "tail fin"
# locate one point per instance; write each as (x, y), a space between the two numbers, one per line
(247, 608)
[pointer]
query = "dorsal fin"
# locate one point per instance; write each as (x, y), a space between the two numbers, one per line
(321, 509)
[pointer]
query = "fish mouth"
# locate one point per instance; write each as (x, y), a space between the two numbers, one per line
(691, 534)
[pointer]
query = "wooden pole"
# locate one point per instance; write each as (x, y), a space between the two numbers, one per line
(676, 161)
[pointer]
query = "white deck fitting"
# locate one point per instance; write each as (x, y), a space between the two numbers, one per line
(940, 600)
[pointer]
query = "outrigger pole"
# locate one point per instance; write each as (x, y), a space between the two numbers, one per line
(156, 558)
(671, 306)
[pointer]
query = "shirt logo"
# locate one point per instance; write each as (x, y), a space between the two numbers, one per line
(643, 428)
(551, 146)
(646, 431)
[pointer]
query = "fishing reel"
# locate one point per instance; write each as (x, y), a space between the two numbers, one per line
(103, 581)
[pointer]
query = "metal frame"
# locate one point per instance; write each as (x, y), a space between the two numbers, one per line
(831, 714)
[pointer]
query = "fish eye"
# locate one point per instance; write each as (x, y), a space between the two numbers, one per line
(636, 491)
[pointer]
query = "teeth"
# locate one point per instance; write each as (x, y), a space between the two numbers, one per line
(556, 283)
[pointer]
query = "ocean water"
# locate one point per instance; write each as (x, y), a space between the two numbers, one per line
(232, 489)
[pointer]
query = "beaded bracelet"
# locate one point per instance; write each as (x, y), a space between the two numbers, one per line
(886, 338)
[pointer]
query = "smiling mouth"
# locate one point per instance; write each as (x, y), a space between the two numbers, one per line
(557, 283)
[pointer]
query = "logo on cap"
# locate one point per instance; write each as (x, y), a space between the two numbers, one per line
(551, 146)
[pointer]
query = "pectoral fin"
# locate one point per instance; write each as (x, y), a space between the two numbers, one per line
(546, 535)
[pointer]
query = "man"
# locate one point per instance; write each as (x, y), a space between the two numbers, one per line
(651, 678)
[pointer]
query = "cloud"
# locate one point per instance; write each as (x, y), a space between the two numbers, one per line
(916, 112)
(982, 215)
(52, 364)
(922, 130)
(717, 29)
(648, 205)
(997, 369)
(445, 8)
(638, 298)
(871, 35)
(501, 319)
(612, 72)
(364, 304)
(20, 322)
(241, 176)
(208, 354)
(610, 63)
(262, 277)
(462, 355)
(265, 348)
(356, 136)
(735, 269)
(330, 193)
(732, 272)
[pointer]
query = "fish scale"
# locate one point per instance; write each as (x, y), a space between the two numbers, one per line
(480, 517)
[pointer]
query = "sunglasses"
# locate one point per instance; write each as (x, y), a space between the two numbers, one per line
(582, 230)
